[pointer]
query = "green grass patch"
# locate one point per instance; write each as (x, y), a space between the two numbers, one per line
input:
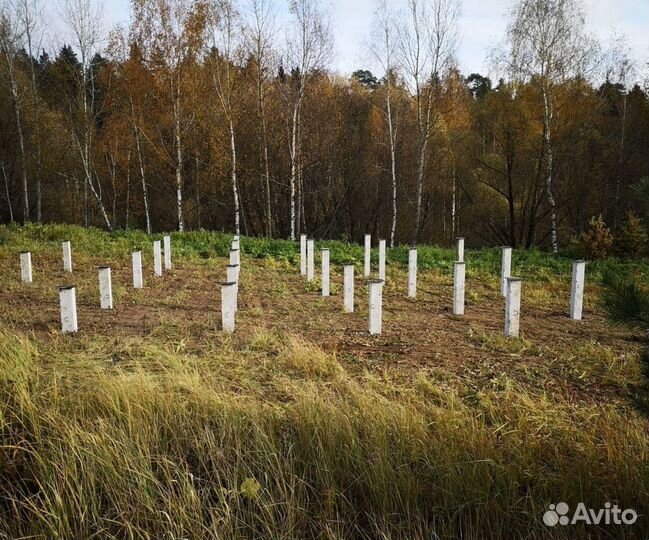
(200, 245)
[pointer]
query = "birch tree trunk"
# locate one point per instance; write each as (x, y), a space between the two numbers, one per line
(426, 47)
(140, 159)
(620, 162)
(8, 196)
(309, 45)
(199, 220)
(454, 228)
(265, 168)
(421, 158)
(84, 20)
(259, 34)
(28, 13)
(547, 127)
(128, 190)
(227, 53)
(393, 163)
(179, 162)
(235, 190)
(548, 46)
(112, 170)
(424, 132)
(384, 53)
(15, 103)
(89, 185)
(293, 155)
(86, 152)
(8, 47)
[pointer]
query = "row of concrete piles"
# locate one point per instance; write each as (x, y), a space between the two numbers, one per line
(511, 287)
(68, 293)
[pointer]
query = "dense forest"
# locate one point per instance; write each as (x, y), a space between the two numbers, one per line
(215, 114)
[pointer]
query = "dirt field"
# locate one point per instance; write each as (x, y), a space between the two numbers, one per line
(554, 353)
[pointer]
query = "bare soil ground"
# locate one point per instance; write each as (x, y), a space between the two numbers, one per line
(587, 360)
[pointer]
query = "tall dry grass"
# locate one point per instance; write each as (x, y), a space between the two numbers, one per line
(276, 439)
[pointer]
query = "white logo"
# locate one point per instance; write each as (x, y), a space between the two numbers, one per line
(611, 514)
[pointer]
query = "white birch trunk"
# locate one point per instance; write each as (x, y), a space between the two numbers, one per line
(293, 152)
(15, 102)
(145, 195)
(547, 120)
(235, 189)
(179, 163)
(393, 165)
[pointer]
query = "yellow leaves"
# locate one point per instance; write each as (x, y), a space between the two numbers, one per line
(250, 488)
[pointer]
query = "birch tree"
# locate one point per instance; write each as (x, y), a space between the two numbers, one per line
(547, 46)
(84, 20)
(308, 48)
(30, 17)
(11, 37)
(620, 70)
(223, 62)
(172, 33)
(427, 42)
(133, 92)
(384, 51)
(259, 30)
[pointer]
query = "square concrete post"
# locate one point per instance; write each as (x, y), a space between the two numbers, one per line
(348, 287)
(228, 309)
(233, 276)
(235, 256)
(67, 256)
(513, 307)
(325, 272)
(577, 292)
(382, 260)
(235, 260)
(105, 288)
(460, 249)
(459, 275)
(505, 269)
(68, 301)
(236, 242)
(303, 254)
(157, 258)
(138, 281)
(26, 266)
(167, 249)
(310, 260)
(412, 272)
(376, 306)
(367, 268)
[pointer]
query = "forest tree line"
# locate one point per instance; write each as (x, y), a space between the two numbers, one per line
(211, 114)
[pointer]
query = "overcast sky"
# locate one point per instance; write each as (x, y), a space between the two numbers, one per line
(482, 24)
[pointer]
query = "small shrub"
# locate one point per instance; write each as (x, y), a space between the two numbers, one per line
(596, 242)
(632, 239)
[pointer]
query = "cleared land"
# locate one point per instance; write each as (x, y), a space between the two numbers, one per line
(152, 423)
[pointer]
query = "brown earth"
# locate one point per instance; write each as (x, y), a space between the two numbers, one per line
(587, 360)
